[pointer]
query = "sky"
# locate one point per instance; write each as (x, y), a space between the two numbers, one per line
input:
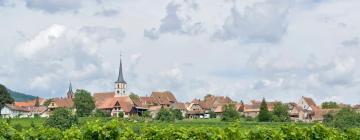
(245, 49)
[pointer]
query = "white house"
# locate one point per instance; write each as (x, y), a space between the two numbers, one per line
(11, 111)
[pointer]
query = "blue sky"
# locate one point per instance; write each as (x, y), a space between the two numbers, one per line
(244, 49)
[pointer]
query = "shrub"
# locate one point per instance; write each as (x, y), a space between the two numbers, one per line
(280, 113)
(176, 113)
(121, 114)
(230, 113)
(61, 118)
(212, 114)
(164, 115)
(100, 113)
(344, 119)
(146, 114)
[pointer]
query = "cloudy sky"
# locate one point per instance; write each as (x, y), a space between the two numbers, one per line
(245, 49)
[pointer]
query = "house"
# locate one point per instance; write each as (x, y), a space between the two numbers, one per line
(164, 99)
(63, 102)
(12, 111)
(41, 111)
(118, 101)
(179, 106)
(211, 102)
(194, 110)
(154, 110)
(148, 101)
(356, 107)
(306, 110)
(219, 111)
(253, 109)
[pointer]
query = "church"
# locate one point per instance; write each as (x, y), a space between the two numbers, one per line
(117, 101)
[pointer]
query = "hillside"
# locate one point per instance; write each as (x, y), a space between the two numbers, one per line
(20, 96)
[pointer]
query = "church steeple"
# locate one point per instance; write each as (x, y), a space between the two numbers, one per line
(120, 76)
(120, 84)
(70, 93)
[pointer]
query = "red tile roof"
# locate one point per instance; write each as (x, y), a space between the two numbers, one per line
(180, 106)
(39, 109)
(63, 102)
(17, 108)
(163, 98)
(218, 109)
(211, 102)
(310, 102)
(30, 102)
(146, 101)
(108, 100)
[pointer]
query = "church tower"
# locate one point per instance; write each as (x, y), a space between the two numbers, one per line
(120, 84)
(70, 93)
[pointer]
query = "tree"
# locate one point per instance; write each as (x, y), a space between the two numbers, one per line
(230, 113)
(345, 118)
(120, 114)
(83, 103)
(146, 114)
(212, 114)
(47, 102)
(264, 114)
(37, 103)
(280, 113)
(61, 118)
(176, 113)
(329, 105)
(328, 118)
(164, 115)
(5, 97)
(100, 113)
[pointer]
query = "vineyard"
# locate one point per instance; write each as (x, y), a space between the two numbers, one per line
(120, 129)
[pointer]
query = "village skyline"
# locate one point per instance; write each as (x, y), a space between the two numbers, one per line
(248, 49)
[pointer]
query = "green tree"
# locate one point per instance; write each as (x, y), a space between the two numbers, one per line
(344, 119)
(328, 118)
(84, 103)
(61, 118)
(146, 114)
(37, 103)
(121, 115)
(164, 115)
(280, 113)
(177, 114)
(5, 97)
(264, 114)
(212, 114)
(230, 113)
(100, 113)
(329, 105)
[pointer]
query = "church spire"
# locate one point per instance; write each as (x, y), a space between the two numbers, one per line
(120, 76)
(70, 93)
(120, 84)
(70, 88)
